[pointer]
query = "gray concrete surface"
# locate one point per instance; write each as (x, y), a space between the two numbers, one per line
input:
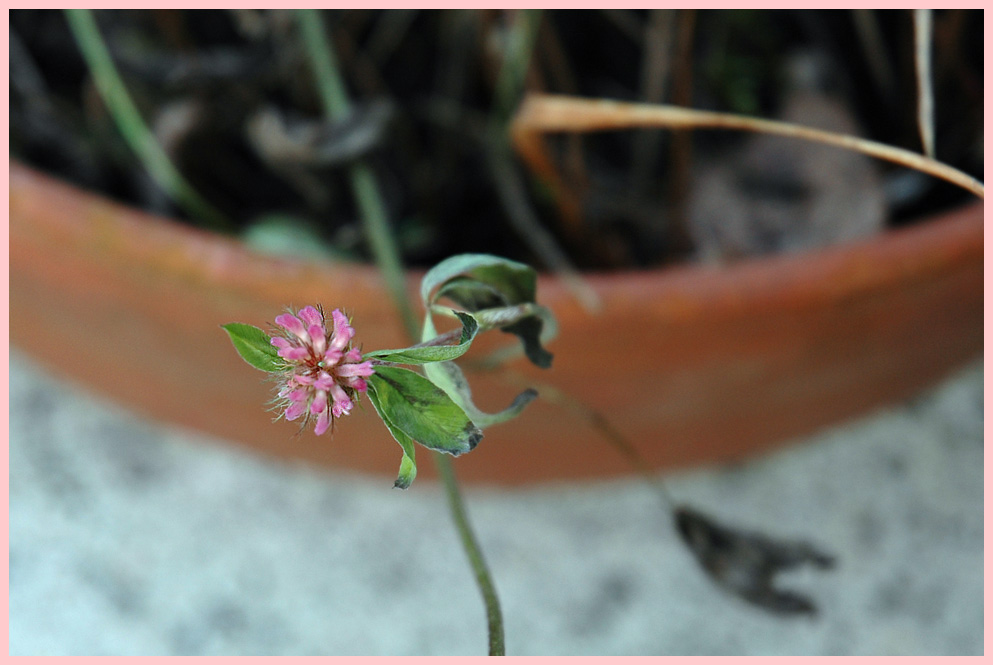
(132, 538)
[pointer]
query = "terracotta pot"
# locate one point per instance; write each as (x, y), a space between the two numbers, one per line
(693, 364)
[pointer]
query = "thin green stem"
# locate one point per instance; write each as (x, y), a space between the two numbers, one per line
(128, 120)
(334, 97)
(513, 71)
(475, 554)
(387, 256)
(510, 188)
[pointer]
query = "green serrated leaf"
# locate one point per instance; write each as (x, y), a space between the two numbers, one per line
(423, 411)
(419, 355)
(449, 377)
(253, 345)
(408, 465)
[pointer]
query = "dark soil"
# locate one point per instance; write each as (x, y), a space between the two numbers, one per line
(424, 84)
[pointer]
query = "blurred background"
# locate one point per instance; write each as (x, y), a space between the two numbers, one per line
(232, 99)
(134, 537)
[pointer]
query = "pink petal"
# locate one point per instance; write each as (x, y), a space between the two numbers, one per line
(280, 342)
(324, 381)
(323, 422)
(293, 353)
(303, 379)
(332, 356)
(294, 325)
(357, 383)
(342, 331)
(317, 339)
(295, 410)
(320, 403)
(356, 369)
(311, 317)
(342, 402)
(353, 355)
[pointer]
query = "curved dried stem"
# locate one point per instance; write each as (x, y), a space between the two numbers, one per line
(925, 91)
(541, 114)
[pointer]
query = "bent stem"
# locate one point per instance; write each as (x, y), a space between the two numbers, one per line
(599, 422)
(387, 257)
(494, 618)
(541, 114)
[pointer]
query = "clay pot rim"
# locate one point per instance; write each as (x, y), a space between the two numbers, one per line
(912, 252)
(767, 332)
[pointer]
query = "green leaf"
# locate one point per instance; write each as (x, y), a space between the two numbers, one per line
(514, 282)
(470, 293)
(419, 355)
(449, 377)
(423, 411)
(486, 283)
(501, 317)
(529, 321)
(408, 467)
(287, 235)
(529, 331)
(253, 345)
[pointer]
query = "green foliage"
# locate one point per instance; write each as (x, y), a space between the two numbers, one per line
(498, 292)
(435, 408)
(253, 345)
(438, 411)
(415, 406)
(449, 377)
(513, 281)
(408, 467)
(419, 355)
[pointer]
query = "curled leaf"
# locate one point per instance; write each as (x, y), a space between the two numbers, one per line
(499, 292)
(529, 331)
(449, 377)
(746, 563)
(515, 282)
(470, 293)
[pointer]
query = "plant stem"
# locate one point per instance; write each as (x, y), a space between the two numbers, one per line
(511, 189)
(542, 114)
(364, 186)
(472, 550)
(925, 89)
(128, 120)
(387, 257)
(513, 71)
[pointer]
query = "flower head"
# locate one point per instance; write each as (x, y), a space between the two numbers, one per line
(324, 373)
